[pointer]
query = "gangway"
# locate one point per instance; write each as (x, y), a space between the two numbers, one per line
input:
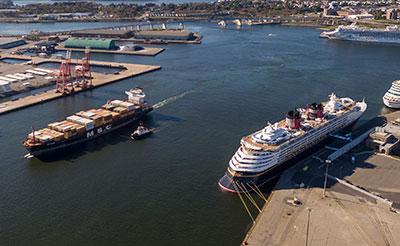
(331, 148)
(345, 138)
(338, 153)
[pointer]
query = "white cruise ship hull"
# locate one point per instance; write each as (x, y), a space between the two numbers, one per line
(391, 101)
(391, 104)
(354, 33)
(248, 170)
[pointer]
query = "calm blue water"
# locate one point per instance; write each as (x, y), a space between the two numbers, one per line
(163, 190)
(13, 61)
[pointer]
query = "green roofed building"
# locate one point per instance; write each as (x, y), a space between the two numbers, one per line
(99, 44)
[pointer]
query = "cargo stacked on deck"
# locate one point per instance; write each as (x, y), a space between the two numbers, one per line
(89, 124)
(46, 135)
(68, 128)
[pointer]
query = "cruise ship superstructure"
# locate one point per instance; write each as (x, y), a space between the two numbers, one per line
(355, 33)
(392, 96)
(263, 154)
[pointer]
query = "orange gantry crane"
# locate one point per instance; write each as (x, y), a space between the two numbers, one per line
(83, 71)
(83, 74)
(64, 79)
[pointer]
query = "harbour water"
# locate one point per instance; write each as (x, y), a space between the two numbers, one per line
(163, 190)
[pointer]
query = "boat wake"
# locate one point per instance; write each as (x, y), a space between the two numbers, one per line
(171, 99)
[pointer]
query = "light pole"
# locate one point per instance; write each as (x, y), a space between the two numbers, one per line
(326, 177)
(308, 224)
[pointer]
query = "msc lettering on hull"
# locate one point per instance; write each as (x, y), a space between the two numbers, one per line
(99, 130)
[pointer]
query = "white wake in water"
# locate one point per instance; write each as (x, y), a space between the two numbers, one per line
(171, 99)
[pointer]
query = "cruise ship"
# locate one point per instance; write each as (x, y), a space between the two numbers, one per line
(266, 153)
(355, 33)
(392, 96)
(86, 125)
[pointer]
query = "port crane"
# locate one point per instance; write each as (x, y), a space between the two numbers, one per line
(83, 71)
(64, 79)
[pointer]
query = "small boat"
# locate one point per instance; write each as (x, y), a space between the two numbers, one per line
(140, 132)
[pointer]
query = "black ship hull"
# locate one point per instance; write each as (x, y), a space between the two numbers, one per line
(135, 136)
(51, 147)
(248, 181)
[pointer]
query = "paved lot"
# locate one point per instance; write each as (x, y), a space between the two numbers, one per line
(38, 81)
(147, 51)
(98, 80)
(376, 173)
(347, 215)
(344, 217)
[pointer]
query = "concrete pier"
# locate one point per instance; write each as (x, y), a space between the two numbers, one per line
(147, 51)
(99, 79)
(356, 208)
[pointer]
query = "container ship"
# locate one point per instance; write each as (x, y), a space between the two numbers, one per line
(266, 153)
(392, 96)
(86, 125)
(355, 33)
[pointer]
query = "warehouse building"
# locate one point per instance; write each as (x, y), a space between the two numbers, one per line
(177, 34)
(102, 33)
(82, 43)
(6, 3)
(7, 43)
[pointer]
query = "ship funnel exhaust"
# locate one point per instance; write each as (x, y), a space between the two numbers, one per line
(293, 119)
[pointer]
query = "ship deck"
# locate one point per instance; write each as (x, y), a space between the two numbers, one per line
(282, 124)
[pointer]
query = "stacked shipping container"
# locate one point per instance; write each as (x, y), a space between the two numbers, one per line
(84, 121)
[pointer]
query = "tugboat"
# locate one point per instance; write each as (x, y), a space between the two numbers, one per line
(140, 132)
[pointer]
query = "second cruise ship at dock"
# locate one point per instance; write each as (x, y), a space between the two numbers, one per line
(390, 34)
(392, 96)
(263, 154)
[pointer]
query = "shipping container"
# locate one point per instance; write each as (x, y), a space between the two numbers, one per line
(108, 106)
(116, 102)
(129, 106)
(88, 115)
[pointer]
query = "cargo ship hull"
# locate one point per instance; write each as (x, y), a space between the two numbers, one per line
(51, 147)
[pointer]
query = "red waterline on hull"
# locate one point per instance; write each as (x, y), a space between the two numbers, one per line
(226, 189)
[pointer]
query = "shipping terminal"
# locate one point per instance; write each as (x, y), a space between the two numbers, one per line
(87, 125)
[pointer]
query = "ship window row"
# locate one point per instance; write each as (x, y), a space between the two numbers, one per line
(334, 124)
(247, 158)
(393, 93)
(250, 163)
(269, 164)
(283, 154)
(255, 154)
(316, 131)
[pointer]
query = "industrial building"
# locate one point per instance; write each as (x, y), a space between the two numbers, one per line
(162, 34)
(82, 43)
(102, 33)
(385, 139)
(6, 3)
(7, 43)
